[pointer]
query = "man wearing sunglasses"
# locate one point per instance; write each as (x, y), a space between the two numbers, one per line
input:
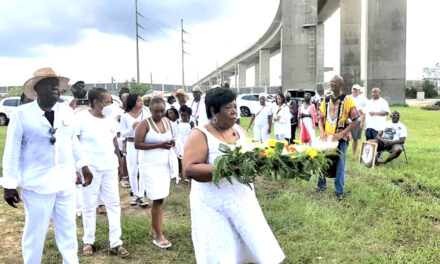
(41, 156)
(391, 138)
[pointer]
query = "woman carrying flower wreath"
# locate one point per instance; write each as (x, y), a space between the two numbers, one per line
(228, 225)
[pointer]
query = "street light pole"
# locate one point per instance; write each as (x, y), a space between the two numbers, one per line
(137, 42)
(183, 55)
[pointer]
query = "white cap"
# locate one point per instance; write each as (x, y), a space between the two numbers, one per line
(356, 87)
(262, 95)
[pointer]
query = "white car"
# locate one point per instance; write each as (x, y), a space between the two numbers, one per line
(7, 106)
(246, 103)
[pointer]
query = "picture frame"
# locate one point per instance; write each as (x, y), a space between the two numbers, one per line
(368, 154)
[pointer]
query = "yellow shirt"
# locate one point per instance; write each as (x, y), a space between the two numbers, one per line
(330, 116)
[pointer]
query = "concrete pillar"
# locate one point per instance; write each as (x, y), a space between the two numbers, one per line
(257, 75)
(350, 58)
(320, 59)
(264, 65)
(241, 74)
(386, 48)
(298, 44)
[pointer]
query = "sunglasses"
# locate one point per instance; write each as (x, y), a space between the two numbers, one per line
(52, 139)
(394, 115)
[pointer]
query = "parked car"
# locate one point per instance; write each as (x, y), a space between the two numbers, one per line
(247, 103)
(7, 106)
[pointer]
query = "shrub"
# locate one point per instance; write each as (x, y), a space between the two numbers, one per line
(429, 89)
(411, 92)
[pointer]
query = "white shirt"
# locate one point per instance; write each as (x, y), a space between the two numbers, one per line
(282, 126)
(198, 112)
(400, 129)
(183, 130)
(177, 105)
(359, 101)
(376, 122)
(262, 114)
(96, 138)
(127, 121)
(43, 168)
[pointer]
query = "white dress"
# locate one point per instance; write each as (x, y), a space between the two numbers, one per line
(308, 124)
(228, 225)
(157, 166)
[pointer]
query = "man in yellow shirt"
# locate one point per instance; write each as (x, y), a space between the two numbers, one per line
(334, 113)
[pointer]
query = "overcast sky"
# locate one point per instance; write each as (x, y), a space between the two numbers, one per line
(95, 40)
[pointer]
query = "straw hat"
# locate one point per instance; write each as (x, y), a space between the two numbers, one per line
(40, 74)
(182, 92)
(197, 89)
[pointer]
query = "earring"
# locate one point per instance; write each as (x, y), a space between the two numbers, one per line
(214, 120)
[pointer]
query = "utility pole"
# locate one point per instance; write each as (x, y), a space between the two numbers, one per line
(183, 55)
(151, 80)
(137, 40)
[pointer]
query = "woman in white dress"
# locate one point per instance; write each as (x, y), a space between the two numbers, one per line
(308, 118)
(228, 225)
(157, 163)
(129, 122)
(262, 119)
(281, 119)
(97, 136)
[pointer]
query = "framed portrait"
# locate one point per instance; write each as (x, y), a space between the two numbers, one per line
(368, 154)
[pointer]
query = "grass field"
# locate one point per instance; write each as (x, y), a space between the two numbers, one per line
(391, 213)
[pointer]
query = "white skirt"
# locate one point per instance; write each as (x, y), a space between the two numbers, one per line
(155, 180)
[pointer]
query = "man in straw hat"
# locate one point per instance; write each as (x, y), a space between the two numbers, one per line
(41, 156)
(182, 97)
(198, 114)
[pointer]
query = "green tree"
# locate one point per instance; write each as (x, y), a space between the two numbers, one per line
(14, 91)
(429, 89)
(411, 92)
(139, 88)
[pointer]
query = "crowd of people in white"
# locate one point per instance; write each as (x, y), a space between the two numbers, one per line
(68, 159)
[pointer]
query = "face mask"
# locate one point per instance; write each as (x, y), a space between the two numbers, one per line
(107, 110)
(307, 100)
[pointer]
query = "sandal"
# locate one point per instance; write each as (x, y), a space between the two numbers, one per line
(120, 251)
(162, 244)
(88, 250)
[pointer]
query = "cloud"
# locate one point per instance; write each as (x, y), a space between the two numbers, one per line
(27, 26)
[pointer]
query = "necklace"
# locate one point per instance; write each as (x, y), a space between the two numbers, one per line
(221, 134)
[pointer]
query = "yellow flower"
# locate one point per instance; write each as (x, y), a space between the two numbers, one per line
(298, 142)
(269, 152)
(240, 150)
(271, 142)
(292, 156)
(312, 153)
(284, 142)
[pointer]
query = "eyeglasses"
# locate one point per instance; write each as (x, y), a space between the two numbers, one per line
(52, 139)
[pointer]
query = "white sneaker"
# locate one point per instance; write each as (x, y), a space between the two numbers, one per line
(142, 202)
(125, 183)
(135, 200)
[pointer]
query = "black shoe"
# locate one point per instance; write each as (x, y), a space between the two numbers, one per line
(339, 196)
(131, 193)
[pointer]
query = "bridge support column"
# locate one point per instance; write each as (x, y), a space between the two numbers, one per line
(264, 65)
(257, 75)
(386, 48)
(241, 74)
(298, 44)
(350, 58)
(320, 59)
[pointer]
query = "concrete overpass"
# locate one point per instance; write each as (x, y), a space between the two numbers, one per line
(297, 32)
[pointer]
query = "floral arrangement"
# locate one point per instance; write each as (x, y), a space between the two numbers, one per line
(273, 160)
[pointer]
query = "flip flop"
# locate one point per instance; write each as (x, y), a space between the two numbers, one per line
(88, 250)
(162, 244)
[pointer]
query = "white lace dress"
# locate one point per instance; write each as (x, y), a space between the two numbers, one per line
(228, 225)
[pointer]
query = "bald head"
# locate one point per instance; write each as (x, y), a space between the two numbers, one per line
(336, 84)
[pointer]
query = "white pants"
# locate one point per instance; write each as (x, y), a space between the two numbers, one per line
(106, 184)
(132, 168)
(39, 208)
(79, 199)
(260, 133)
